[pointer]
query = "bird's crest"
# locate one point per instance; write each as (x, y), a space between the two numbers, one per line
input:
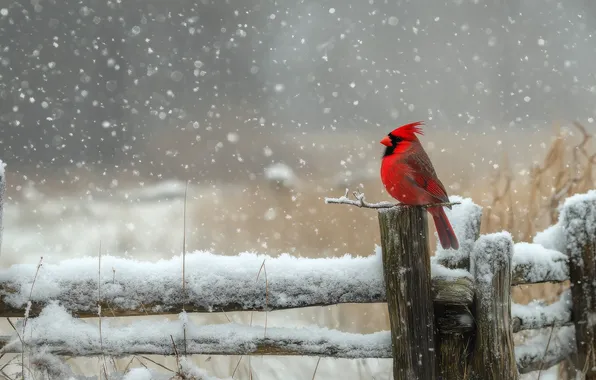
(408, 131)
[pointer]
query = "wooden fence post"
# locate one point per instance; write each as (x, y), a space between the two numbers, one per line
(579, 222)
(493, 356)
(454, 346)
(406, 269)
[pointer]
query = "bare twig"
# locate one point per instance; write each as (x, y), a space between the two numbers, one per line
(26, 317)
(264, 269)
(360, 201)
(176, 352)
(184, 267)
(141, 362)
(184, 240)
(316, 367)
(103, 357)
(550, 336)
(129, 363)
(237, 365)
(156, 363)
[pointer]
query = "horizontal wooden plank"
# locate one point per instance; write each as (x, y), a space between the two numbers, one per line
(62, 334)
(545, 350)
(213, 284)
(536, 315)
(533, 264)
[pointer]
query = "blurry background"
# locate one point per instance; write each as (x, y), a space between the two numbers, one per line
(107, 108)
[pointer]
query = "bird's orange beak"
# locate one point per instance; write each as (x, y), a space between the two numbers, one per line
(386, 141)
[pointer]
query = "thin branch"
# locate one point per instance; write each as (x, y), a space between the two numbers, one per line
(103, 357)
(156, 363)
(264, 269)
(175, 352)
(184, 265)
(550, 336)
(27, 311)
(184, 240)
(316, 367)
(236, 368)
(360, 201)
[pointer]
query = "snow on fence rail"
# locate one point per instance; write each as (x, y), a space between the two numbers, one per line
(454, 311)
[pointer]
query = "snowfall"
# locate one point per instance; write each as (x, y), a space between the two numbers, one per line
(64, 240)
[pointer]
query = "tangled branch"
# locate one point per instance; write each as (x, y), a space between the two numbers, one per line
(360, 201)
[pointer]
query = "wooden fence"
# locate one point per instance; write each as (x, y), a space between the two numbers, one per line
(451, 315)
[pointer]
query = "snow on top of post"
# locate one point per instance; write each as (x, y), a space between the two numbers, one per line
(580, 200)
(211, 281)
(491, 252)
(60, 332)
(2, 170)
(465, 220)
(578, 216)
(533, 263)
(554, 237)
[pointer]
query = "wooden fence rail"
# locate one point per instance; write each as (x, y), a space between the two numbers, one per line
(451, 316)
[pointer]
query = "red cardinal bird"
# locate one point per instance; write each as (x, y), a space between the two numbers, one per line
(409, 177)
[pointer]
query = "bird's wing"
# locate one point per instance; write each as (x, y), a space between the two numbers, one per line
(423, 175)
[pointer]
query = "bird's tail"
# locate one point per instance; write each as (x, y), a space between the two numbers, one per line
(446, 234)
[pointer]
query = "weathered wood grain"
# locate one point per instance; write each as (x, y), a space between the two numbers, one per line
(493, 357)
(406, 268)
(224, 339)
(457, 291)
(579, 220)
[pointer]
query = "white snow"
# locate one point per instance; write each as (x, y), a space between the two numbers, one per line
(491, 252)
(139, 374)
(580, 207)
(578, 216)
(439, 271)
(2, 170)
(539, 264)
(190, 371)
(545, 259)
(536, 315)
(56, 329)
(552, 238)
(164, 190)
(281, 174)
(187, 369)
(465, 220)
(56, 368)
